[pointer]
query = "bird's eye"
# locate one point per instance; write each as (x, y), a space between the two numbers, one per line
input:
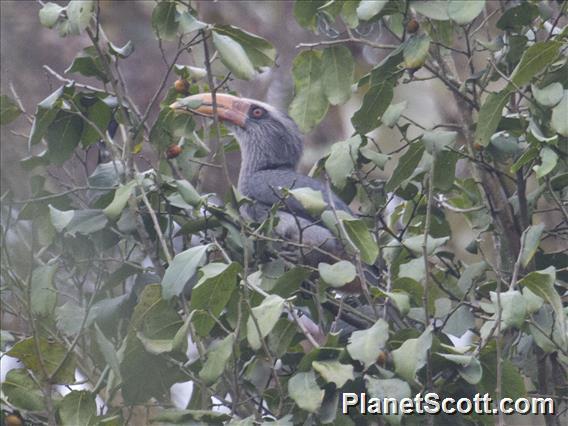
(258, 112)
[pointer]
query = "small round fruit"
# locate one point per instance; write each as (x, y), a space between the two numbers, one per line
(173, 151)
(182, 86)
(13, 420)
(412, 26)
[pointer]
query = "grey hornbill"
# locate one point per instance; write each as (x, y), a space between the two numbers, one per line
(271, 146)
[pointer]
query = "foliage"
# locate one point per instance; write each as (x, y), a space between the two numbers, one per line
(139, 280)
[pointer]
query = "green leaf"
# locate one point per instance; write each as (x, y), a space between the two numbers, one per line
(548, 160)
(337, 67)
(370, 8)
(416, 244)
(45, 114)
(62, 136)
(411, 355)
(212, 293)
(118, 203)
(463, 12)
(349, 13)
(558, 121)
(444, 172)
(88, 63)
(530, 240)
(9, 110)
(416, 51)
(406, 166)
(550, 95)
(305, 392)
(309, 104)
(338, 274)
(266, 315)
(363, 240)
(80, 13)
(388, 388)
(375, 103)
(334, 372)
(469, 366)
(181, 270)
(401, 300)
(188, 193)
(534, 60)
(78, 408)
(233, 56)
(121, 52)
(188, 23)
(99, 114)
(83, 222)
(546, 331)
(513, 308)
(53, 354)
(43, 292)
(489, 117)
(310, 199)
(378, 158)
(50, 14)
(433, 9)
(260, 52)
(392, 114)
(107, 350)
(217, 357)
(517, 17)
(22, 391)
(366, 345)
(190, 417)
(512, 382)
(164, 20)
(305, 12)
(437, 141)
(342, 160)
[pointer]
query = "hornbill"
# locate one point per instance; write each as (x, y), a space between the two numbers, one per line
(271, 146)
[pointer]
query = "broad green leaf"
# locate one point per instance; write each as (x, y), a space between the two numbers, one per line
(78, 408)
(266, 315)
(121, 196)
(233, 56)
(187, 23)
(437, 141)
(99, 114)
(337, 67)
(164, 20)
(260, 52)
(558, 121)
(212, 293)
(535, 59)
(463, 12)
(80, 13)
(338, 274)
(388, 388)
(366, 345)
(310, 199)
(546, 331)
(530, 240)
(534, 302)
(309, 104)
(88, 63)
(334, 372)
(188, 193)
(469, 276)
(548, 160)
(190, 417)
(489, 117)
(22, 391)
(342, 160)
(512, 382)
(305, 12)
(363, 240)
(9, 110)
(217, 357)
(401, 300)
(62, 136)
(45, 114)
(379, 159)
(416, 51)
(444, 172)
(53, 354)
(122, 52)
(83, 222)
(411, 355)
(513, 308)
(107, 174)
(416, 244)
(517, 17)
(550, 95)
(43, 293)
(181, 270)
(370, 8)
(349, 13)
(392, 114)
(107, 350)
(469, 366)
(305, 392)
(433, 9)
(406, 166)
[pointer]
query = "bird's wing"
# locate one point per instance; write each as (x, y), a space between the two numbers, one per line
(265, 187)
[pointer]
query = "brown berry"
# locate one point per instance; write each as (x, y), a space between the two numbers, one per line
(173, 151)
(478, 147)
(382, 358)
(182, 86)
(13, 420)
(412, 26)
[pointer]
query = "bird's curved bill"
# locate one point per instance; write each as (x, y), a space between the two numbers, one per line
(229, 108)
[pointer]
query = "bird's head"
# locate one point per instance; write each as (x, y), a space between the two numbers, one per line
(269, 139)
